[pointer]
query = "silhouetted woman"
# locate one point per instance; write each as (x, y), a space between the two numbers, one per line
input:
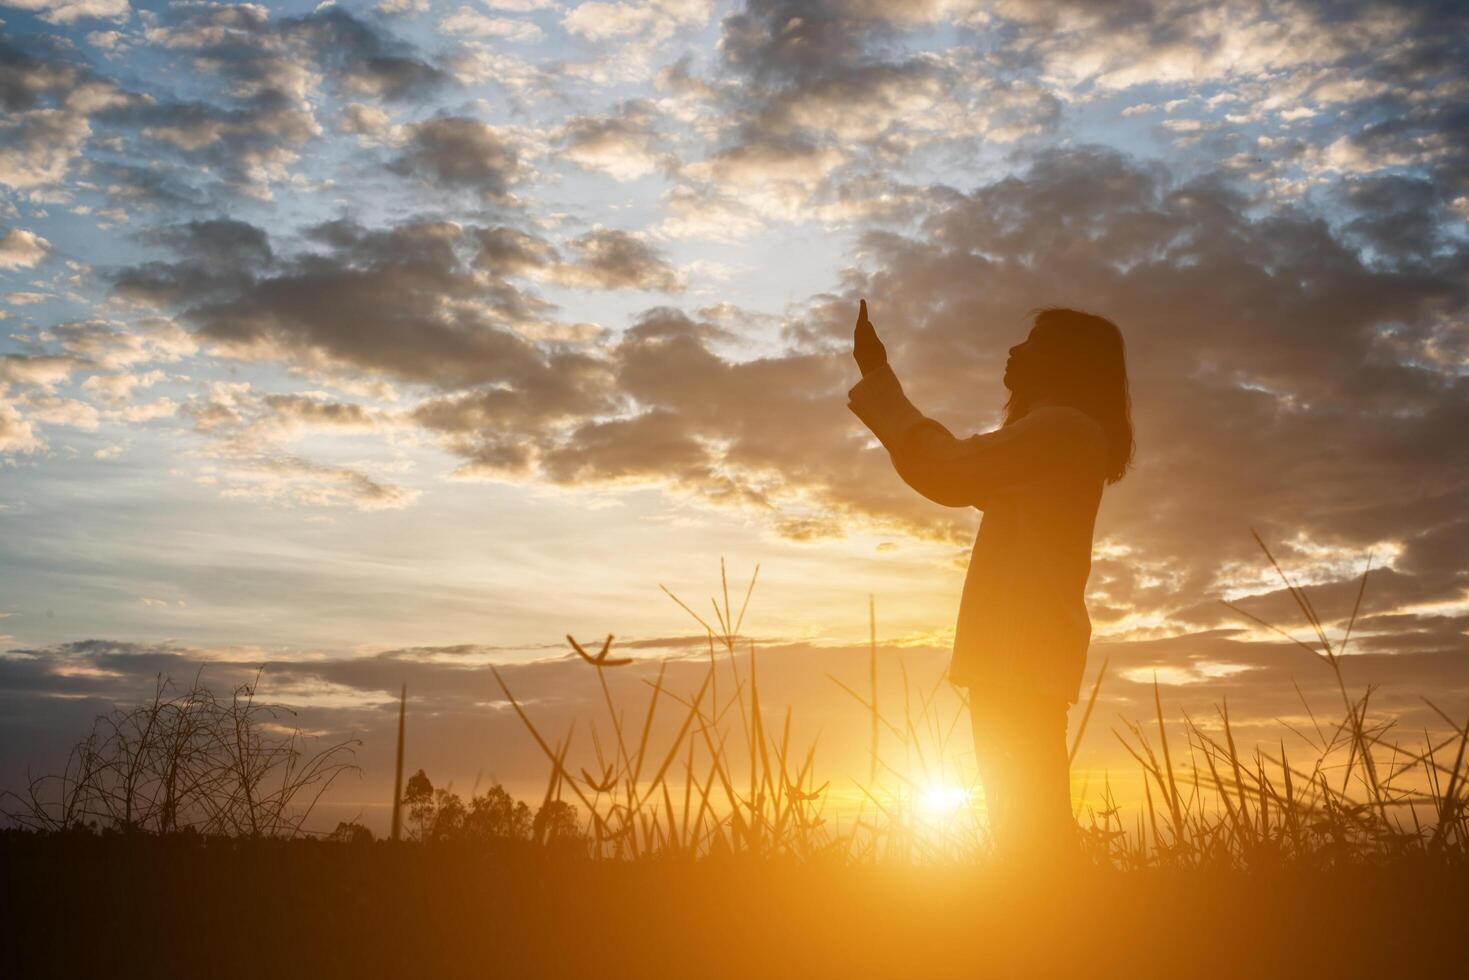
(1023, 630)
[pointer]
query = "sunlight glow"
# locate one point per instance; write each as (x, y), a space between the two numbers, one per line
(1175, 674)
(940, 801)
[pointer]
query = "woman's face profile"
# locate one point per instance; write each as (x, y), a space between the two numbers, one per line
(1025, 367)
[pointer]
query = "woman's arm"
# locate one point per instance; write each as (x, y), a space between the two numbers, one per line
(962, 472)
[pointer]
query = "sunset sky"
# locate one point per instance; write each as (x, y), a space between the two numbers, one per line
(376, 344)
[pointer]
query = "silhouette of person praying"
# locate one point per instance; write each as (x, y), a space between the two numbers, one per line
(1022, 634)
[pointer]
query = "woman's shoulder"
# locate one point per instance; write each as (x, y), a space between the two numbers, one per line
(1064, 418)
(1065, 425)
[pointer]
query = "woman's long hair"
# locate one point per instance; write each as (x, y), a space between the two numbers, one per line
(1085, 368)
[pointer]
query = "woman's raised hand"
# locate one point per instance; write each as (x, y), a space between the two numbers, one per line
(866, 348)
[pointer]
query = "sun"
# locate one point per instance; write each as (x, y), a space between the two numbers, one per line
(940, 801)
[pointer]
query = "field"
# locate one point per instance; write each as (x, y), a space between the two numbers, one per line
(119, 906)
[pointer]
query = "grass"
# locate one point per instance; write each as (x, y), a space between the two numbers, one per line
(1351, 791)
(186, 761)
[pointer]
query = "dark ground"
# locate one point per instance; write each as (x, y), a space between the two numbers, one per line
(110, 906)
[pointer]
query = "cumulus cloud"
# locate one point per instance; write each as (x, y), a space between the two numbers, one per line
(284, 478)
(364, 120)
(67, 11)
(606, 258)
(246, 452)
(273, 70)
(17, 435)
(600, 21)
(623, 143)
(119, 388)
(260, 54)
(467, 20)
(21, 249)
(40, 370)
(814, 99)
(444, 299)
(628, 38)
(49, 103)
(253, 146)
(56, 410)
(112, 345)
(460, 153)
(37, 148)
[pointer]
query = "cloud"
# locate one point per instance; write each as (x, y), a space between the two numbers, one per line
(392, 8)
(606, 258)
(641, 32)
(467, 20)
(254, 146)
(364, 120)
(106, 40)
(623, 143)
(216, 243)
(56, 410)
(30, 383)
(48, 104)
(1363, 87)
(443, 300)
(302, 410)
(215, 257)
(21, 249)
(365, 60)
(686, 418)
(37, 148)
(112, 345)
(27, 298)
(246, 456)
(261, 55)
(438, 320)
(793, 39)
(474, 63)
(814, 101)
(273, 70)
(69, 11)
(43, 371)
(158, 408)
(17, 435)
(460, 153)
(145, 188)
(293, 480)
(701, 212)
(600, 21)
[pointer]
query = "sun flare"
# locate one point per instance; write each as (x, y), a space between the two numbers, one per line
(941, 801)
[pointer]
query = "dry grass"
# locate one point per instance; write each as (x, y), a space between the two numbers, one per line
(1350, 791)
(186, 761)
(1354, 791)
